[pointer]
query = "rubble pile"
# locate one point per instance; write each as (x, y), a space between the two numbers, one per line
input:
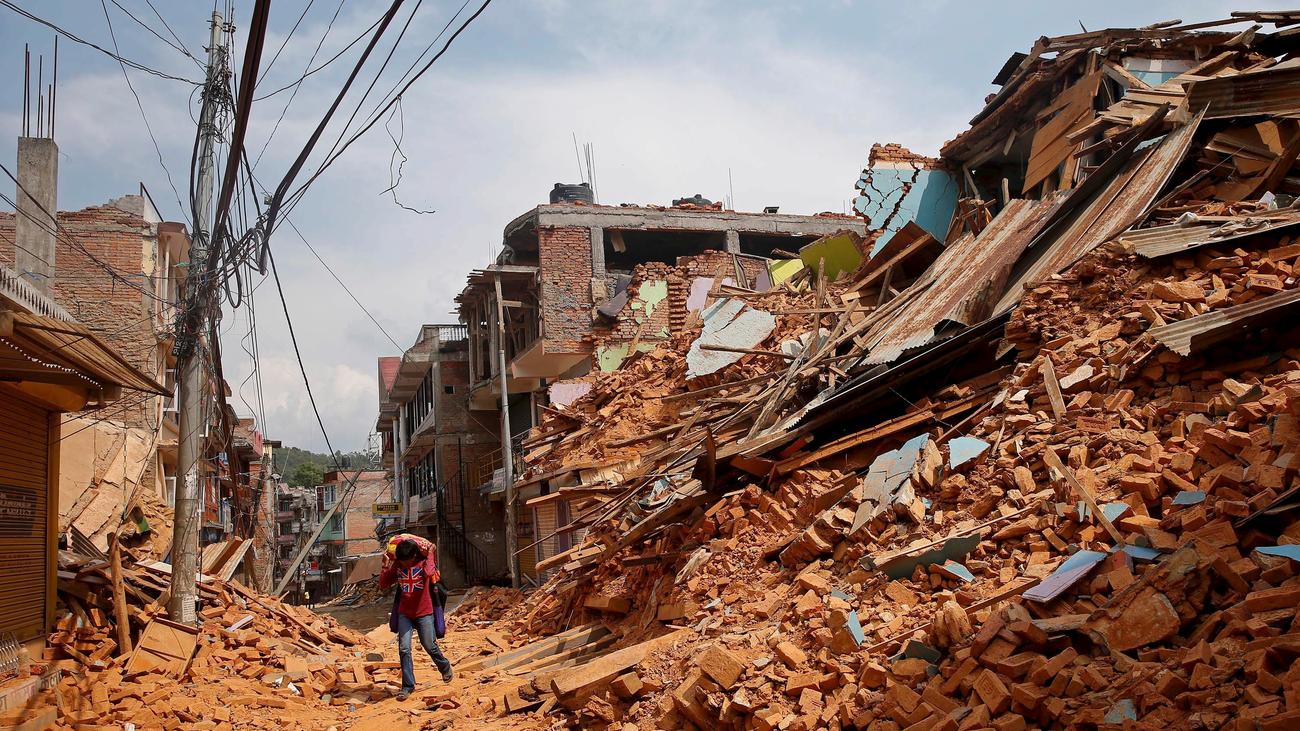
(485, 604)
(1046, 477)
(250, 651)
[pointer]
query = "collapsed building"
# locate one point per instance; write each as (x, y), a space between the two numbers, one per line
(550, 308)
(1033, 465)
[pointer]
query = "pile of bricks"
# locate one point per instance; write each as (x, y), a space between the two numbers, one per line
(249, 650)
(1152, 471)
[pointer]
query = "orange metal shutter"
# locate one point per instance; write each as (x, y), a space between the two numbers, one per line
(24, 511)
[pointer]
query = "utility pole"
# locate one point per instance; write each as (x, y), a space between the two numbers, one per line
(507, 454)
(192, 387)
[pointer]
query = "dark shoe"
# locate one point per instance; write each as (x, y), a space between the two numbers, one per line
(446, 675)
(404, 693)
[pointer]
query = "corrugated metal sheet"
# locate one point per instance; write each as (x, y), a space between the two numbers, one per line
(1198, 333)
(963, 283)
(1165, 240)
(1272, 91)
(1117, 206)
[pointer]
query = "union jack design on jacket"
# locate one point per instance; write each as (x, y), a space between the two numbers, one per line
(414, 585)
(411, 580)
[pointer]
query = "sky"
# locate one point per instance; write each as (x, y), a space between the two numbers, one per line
(771, 103)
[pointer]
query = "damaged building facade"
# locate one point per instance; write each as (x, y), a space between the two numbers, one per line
(438, 450)
(119, 269)
(581, 288)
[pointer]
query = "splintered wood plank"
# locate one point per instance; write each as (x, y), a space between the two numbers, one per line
(607, 667)
(1053, 388)
(1055, 463)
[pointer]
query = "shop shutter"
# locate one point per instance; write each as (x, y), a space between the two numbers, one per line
(24, 489)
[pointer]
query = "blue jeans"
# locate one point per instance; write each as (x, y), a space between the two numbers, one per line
(428, 639)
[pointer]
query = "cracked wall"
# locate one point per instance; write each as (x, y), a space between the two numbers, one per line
(899, 186)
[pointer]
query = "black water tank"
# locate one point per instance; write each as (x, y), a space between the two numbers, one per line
(695, 200)
(568, 193)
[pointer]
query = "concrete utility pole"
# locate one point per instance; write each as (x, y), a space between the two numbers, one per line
(193, 380)
(507, 456)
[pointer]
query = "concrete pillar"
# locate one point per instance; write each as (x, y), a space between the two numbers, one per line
(733, 241)
(597, 252)
(599, 291)
(35, 226)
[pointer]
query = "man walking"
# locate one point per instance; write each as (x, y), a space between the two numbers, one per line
(415, 574)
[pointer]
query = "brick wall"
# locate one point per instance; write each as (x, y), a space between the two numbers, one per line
(564, 255)
(119, 312)
(359, 524)
(670, 315)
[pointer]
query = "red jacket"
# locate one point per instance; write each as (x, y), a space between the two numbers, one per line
(416, 586)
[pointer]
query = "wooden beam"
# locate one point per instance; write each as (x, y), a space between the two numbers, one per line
(1053, 388)
(1055, 463)
(607, 667)
(120, 615)
(879, 431)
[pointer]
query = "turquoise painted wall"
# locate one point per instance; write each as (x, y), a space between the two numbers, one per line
(930, 201)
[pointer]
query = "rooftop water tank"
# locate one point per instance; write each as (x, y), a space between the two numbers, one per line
(569, 193)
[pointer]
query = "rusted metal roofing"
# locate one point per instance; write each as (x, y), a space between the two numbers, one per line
(71, 345)
(1165, 240)
(1198, 333)
(1271, 91)
(962, 284)
(1118, 205)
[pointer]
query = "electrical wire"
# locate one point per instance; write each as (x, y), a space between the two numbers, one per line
(293, 340)
(331, 60)
(76, 39)
(142, 24)
(179, 42)
(293, 199)
(331, 271)
(139, 105)
(296, 87)
(280, 50)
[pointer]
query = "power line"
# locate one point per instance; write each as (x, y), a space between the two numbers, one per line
(336, 277)
(297, 195)
(278, 51)
(139, 105)
(293, 340)
(179, 42)
(144, 25)
(278, 199)
(331, 60)
(312, 249)
(77, 39)
(297, 86)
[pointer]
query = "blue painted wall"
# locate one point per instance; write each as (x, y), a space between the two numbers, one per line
(930, 201)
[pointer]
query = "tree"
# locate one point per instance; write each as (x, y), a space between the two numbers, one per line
(306, 474)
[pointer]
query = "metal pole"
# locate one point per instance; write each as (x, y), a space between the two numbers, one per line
(507, 456)
(192, 388)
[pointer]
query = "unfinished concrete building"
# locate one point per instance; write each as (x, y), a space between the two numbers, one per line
(582, 287)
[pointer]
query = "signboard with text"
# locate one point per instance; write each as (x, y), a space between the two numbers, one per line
(386, 510)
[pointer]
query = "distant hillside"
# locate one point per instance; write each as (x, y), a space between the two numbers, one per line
(304, 468)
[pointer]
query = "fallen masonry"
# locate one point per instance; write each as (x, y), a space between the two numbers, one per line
(1043, 475)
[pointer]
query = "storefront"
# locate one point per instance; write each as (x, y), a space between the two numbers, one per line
(49, 365)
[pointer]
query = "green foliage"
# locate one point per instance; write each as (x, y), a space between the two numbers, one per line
(304, 468)
(306, 474)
